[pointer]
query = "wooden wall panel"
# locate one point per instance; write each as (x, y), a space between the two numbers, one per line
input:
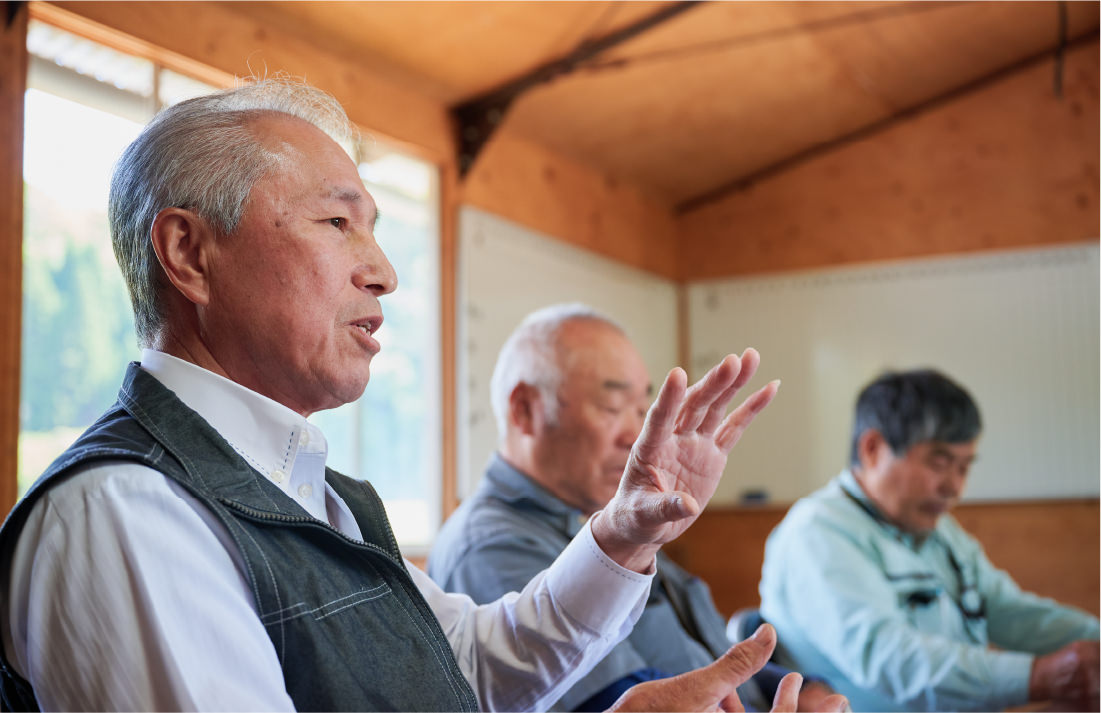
(1007, 165)
(1049, 547)
(13, 81)
(530, 185)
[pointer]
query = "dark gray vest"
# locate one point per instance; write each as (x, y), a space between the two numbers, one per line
(349, 626)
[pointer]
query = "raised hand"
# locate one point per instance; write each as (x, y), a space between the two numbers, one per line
(713, 687)
(676, 463)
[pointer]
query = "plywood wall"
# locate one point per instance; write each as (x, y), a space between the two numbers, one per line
(1008, 165)
(531, 185)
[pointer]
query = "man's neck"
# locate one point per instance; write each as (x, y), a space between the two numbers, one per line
(522, 460)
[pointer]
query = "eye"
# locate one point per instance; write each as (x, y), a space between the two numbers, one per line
(338, 223)
(940, 463)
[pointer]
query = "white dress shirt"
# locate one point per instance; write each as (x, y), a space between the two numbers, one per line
(125, 593)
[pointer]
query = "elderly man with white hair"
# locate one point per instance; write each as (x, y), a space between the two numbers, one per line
(570, 394)
(191, 551)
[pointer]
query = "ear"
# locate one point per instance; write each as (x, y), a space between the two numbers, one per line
(525, 409)
(183, 242)
(871, 449)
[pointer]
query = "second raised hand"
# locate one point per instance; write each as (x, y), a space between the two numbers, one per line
(676, 463)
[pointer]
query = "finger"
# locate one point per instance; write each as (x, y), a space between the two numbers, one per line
(653, 510)
(738, 664)
(740, 418)
(704, 688)
(658, 425)
(750, 361)
(1092, 678)
(704, 392)
(787, 693)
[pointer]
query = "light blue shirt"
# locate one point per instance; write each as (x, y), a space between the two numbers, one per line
(899, 622)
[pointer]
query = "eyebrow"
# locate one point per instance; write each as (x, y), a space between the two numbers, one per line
(615, 385)
(351, 197)
(345, 194)
(942, 451)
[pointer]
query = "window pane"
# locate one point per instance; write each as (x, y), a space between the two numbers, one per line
(78, 331)
(84, 104)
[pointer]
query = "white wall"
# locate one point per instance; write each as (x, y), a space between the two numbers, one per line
(507, 271)
(1018, 329)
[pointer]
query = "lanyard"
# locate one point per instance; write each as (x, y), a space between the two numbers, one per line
(970, 602)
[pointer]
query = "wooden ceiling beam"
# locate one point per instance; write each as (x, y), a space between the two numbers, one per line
(225, 37)
(476, 119)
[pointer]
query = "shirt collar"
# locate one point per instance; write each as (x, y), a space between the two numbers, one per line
(267, 434)
(517, 488)
(276, 441)
(848, 482)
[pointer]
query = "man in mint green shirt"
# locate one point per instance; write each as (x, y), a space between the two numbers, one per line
(871, 583)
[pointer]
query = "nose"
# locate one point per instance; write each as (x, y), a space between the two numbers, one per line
(630, 426)
(951, 485)
(374, 272)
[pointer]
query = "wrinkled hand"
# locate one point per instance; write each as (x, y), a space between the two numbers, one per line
(1071, 673)
(713, 687)
(676, 463)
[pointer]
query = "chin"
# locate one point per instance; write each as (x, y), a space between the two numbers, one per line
(354, 393)
(924, 527)
(343, 393)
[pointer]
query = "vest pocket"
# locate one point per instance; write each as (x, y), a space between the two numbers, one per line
(319, 612)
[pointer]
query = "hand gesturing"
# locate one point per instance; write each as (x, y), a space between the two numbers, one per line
(714, 687)
(675, 465)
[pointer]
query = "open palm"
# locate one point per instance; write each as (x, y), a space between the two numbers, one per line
(676, 463)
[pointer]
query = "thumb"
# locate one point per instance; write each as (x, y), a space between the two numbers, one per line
(739, 663)
(654, 510)
(676, 506)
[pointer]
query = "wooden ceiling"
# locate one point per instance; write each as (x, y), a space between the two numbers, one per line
(703, 101)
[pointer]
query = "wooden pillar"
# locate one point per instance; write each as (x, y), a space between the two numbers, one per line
(449, 295)
(13, 83)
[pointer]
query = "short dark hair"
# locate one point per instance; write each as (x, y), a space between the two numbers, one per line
(909, 407)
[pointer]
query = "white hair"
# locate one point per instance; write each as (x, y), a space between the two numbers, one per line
(202, 155)
(529, 356)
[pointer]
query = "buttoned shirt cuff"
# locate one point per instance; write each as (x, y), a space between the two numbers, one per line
(593, 588)
(1009, 675)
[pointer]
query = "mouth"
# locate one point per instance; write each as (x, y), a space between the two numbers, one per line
(366, 328)
(937, 508)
